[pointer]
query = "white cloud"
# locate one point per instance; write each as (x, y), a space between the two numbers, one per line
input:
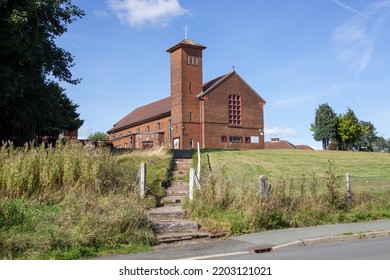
(354, 40)
(139, 13)
(280, 132)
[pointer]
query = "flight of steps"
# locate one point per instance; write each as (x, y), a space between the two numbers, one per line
(169, 221)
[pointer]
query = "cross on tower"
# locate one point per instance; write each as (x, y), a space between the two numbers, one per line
(186, 31)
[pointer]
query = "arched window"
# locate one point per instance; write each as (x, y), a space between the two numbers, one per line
(234, 105)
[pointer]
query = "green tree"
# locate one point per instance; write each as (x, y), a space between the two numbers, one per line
(367, 138)
(381, 145)
(98, 136)
(29, 56)
(324, 127)
(349, 129)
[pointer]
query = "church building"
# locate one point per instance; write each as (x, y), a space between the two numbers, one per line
(223, 113)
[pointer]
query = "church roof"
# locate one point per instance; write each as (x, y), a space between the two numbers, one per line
(188, 43)
(210, 85)
(149, 112)
(162, 108)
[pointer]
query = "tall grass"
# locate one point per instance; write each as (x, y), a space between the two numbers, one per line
(73, 201)
(236, 205)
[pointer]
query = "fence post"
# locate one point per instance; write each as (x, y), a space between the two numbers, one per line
(264, 186)
(348, 188)
(198, 170)
(191, 185)
(142, 180)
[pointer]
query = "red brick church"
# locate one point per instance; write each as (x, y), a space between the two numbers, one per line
(224, 113)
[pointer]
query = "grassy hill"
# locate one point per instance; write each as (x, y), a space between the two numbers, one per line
(367, 170)
(307, 188)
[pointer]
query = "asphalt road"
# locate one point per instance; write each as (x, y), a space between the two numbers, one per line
(368, 249)
(281, 241)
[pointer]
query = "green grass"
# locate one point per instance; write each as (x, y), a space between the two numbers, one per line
(368, 170)
(74, 202)
(307, 188)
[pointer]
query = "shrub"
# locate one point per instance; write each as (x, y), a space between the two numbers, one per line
(73, 201)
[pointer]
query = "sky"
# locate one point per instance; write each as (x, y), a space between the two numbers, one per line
(295, 54)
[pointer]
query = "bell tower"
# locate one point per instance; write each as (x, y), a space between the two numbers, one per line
(186, 84)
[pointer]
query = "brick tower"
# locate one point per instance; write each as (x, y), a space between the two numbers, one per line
(186, 84)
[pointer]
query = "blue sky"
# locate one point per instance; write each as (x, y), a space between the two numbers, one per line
(295, 54)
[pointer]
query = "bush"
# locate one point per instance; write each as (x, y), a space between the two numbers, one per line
(73, 201)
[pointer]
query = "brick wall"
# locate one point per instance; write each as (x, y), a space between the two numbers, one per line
(131, 138)
(216, 114)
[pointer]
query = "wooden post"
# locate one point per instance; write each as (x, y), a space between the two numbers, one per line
(348, 188)
(142, 180)
(264, 186)
(191, 185)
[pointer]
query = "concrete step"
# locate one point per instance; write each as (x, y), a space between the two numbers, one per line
(173, 199)
(179, 189)
(179, 173)
(170, 237)
(173, 211)
(164, 226)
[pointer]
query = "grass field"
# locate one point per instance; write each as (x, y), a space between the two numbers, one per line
(307, 188)
(367, 170)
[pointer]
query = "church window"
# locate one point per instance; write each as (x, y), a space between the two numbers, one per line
(223, 138)
(235, 139)
(247, 140)
(147, 129)
(190, 86)
(158, 126)
(138, 130)
(191, 143)
(234, 106)
(192, 60)
(190, 116)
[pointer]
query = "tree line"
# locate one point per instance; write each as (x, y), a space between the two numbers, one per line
(32, 103)
(346, 131)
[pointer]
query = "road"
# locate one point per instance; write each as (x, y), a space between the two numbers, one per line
(282, 241)
(368, 249)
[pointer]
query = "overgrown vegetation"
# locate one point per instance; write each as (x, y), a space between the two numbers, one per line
(72, 202)
(306, 189)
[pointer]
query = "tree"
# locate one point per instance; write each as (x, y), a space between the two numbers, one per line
(98, 136)
(366, 140)
(325, 125)
(349, 129)
(381, 145)
(28, 57)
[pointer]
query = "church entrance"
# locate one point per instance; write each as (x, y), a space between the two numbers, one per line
(147, 145)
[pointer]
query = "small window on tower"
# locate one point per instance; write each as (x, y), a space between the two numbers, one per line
(191, 87)
(190, 116)
(192, 60)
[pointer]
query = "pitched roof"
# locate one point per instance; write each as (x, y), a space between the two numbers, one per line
(162, 108)
(144, 113)
(303, 147)
(188, 43)
(213, 84)
(280, 144)
(210, 85)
